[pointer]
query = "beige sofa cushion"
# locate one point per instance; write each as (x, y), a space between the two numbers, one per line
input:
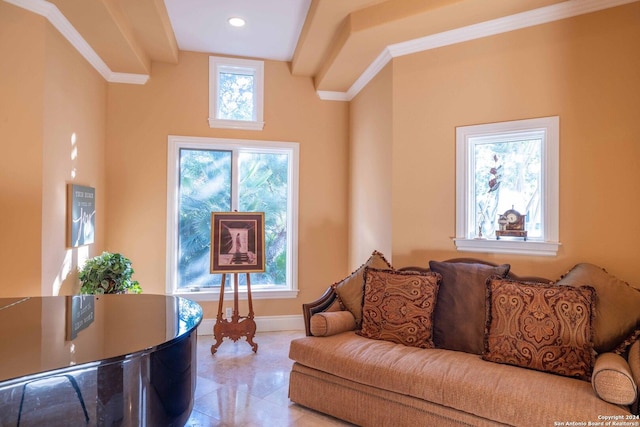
(330, 323)
(540, 326)
(612, 380)
(398, 306)
(459, 318)
(462, 381)
(617, 313)
(350, 289)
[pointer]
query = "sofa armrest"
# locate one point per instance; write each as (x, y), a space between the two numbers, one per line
(634, 364)
(318, 306)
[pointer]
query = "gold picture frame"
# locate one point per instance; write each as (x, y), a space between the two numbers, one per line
(237, 242)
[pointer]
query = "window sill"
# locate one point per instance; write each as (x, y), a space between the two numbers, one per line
(517, 247)
(214, 295)
(235, 124)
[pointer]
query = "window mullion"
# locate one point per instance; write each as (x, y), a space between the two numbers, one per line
(235, 179)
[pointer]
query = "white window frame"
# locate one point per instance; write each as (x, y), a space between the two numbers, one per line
(175, 143)
(466, 137)
(219, 65)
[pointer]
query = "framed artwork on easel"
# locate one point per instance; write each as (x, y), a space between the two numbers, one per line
(237, 242)
(237, 246)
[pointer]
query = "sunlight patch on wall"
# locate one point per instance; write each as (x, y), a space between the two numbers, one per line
(65, 269)
(74, 154)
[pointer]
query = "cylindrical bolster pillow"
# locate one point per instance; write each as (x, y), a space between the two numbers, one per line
(331, 323)
(612, 380)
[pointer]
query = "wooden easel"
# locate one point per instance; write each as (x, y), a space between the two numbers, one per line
(238, 326)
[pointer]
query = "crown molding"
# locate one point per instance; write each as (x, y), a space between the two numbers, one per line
(493, 27)
(327, 95)
(543, 15)
(128, 78)
(372, 70)
(68, 31)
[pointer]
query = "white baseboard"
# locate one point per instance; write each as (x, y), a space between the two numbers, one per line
(263, 324)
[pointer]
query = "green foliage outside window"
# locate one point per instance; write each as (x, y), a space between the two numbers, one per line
(235, 100)
(205, 186)
(263, 188)
(508, 174)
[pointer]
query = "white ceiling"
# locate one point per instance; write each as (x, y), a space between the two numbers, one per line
(271, 32)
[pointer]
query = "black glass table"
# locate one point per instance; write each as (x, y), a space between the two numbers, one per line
(108, 360)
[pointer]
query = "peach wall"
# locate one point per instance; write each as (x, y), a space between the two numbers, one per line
(21, 94)
(175, 102)
(74, 120)
(371, 119)
(47, 92)
(585, 70)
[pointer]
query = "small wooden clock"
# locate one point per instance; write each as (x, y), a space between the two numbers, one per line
(511, 224)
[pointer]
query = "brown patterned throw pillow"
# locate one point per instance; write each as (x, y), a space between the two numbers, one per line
(350, 289)
(398, 306)
(539, 326)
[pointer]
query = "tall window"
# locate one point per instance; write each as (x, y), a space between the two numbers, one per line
(236, 93)
(213, 175)
(508, 166)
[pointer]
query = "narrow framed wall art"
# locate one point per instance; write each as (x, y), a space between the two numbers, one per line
(81, 215)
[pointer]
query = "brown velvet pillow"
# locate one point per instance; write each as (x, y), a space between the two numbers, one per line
(540, 326)
(617, 314)
(350, 289)
(398, 306)
(459, 319)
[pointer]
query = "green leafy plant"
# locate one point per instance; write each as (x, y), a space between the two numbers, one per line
(108, 273)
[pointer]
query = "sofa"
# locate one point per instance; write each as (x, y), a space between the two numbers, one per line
(468, 342)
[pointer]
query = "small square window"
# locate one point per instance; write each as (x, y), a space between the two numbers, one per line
(236, 91)
(506, 167)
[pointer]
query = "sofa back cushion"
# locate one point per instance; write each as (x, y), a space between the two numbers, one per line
(350, 289)
(398, 306)
(617, 314)
(459, 319)
(546, 327)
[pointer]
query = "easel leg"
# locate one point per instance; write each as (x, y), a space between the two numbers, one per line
(237, 326)
(218, 328)
(251, 326)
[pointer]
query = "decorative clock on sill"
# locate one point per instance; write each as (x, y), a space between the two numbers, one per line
(511, 225)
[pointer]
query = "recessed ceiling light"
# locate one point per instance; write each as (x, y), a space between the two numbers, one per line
(236, 22)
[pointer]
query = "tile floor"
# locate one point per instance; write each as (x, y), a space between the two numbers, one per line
(238, 388)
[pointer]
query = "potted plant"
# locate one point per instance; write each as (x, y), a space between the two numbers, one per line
(109, 273)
